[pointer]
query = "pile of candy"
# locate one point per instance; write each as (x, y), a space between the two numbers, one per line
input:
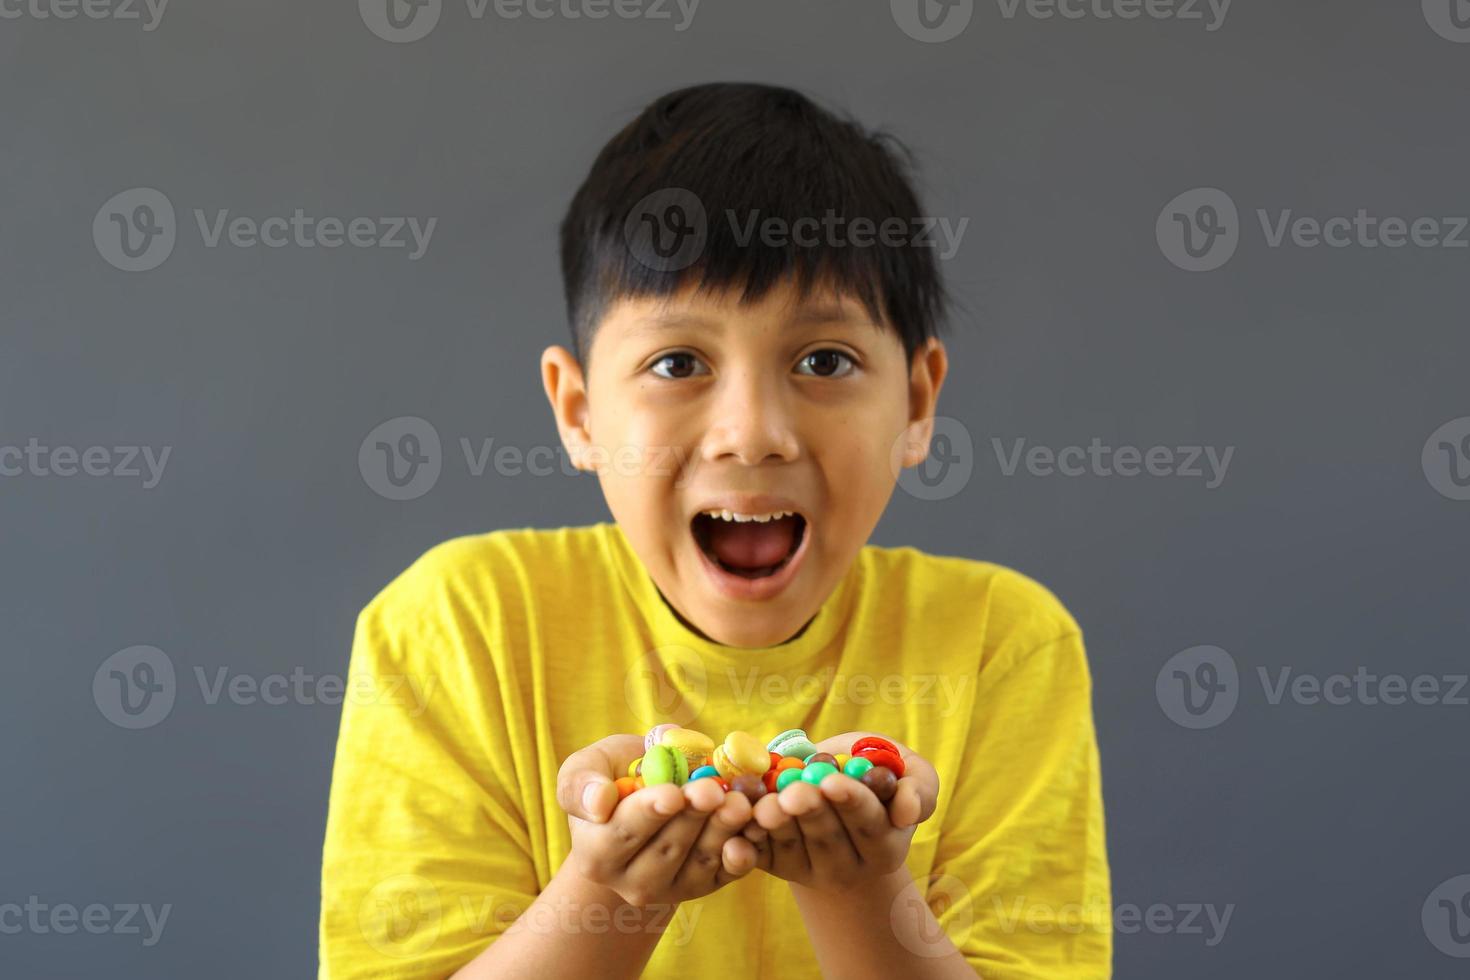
(742, 764)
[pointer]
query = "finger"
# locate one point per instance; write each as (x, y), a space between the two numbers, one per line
(826, 838)
(786, 849)
(861, 812)
(634, 823)
(660, 859)
(919, 786)
(911, 803)
(707, 853)
(738, 857)
(584, 784)
(916, 767)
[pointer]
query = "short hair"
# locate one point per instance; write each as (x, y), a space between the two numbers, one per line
(744, 149)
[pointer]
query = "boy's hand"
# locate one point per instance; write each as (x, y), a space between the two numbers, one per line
(840, 835)
(663, 844)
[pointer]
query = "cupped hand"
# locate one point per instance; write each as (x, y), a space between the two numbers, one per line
(839, 834)
(662, 844)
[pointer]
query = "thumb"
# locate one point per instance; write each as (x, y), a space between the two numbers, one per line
(593, 796)
(584, 786)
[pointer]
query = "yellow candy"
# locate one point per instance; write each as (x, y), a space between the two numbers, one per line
(722, 765)
(741, 752)
(694, 745)
(842, 758)
(633, 766)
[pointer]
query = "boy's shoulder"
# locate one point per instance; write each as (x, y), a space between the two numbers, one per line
(1007, 602)
(473, 570)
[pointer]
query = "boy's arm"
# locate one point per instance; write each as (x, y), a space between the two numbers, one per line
(901, 936)
(575, 928)
(427, 857)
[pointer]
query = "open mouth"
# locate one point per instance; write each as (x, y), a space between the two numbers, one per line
(749, 548)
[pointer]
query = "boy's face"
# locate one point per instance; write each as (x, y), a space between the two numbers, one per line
(696, 402)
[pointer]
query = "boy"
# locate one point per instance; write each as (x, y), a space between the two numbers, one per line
(745, 402)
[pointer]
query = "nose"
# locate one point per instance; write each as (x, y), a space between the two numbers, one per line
(750, 421)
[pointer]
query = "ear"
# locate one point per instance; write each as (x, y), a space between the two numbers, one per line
(566, 390)
(926, 377)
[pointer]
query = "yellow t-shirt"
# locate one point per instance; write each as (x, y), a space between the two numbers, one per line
(493, 657)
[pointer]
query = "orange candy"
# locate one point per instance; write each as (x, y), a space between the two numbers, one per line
(790, 762)
(627, 785)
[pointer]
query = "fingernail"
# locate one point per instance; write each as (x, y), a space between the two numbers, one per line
(666, 807)
(589, 799)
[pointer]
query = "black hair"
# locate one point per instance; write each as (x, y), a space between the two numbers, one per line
(745, 151)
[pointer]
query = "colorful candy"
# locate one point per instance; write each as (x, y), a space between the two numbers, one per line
(741, 752)
(882, 782)
(741, 764)
(816, 772)
(751, 785)
(882, 757)
(792, 742)
(655, 734)
(665, 764)
(694, 745)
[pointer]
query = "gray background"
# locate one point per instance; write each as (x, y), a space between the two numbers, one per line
(1326, 547)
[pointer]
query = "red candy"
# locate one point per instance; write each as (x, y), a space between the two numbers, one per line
(873, 742)
(775, 758)
(770, 779)
(882, 757)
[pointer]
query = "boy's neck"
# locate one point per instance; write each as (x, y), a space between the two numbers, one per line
(700, 633)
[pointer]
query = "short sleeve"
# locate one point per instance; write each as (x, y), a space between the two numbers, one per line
(426, 858)
(1020, 880)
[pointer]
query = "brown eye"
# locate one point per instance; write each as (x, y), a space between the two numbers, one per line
(682, 361)
(828, 363)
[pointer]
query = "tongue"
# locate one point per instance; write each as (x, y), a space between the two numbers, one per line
(752, 544)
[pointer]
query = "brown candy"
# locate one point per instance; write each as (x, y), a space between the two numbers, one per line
(826, 757)
(882, 782)
(751, 785)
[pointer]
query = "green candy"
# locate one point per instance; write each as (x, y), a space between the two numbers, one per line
(787, 777)
(664, 764)
(813, 773)
(792, 742)
(855, 767)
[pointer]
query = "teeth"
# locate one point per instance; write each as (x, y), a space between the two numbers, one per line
(730, 515)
